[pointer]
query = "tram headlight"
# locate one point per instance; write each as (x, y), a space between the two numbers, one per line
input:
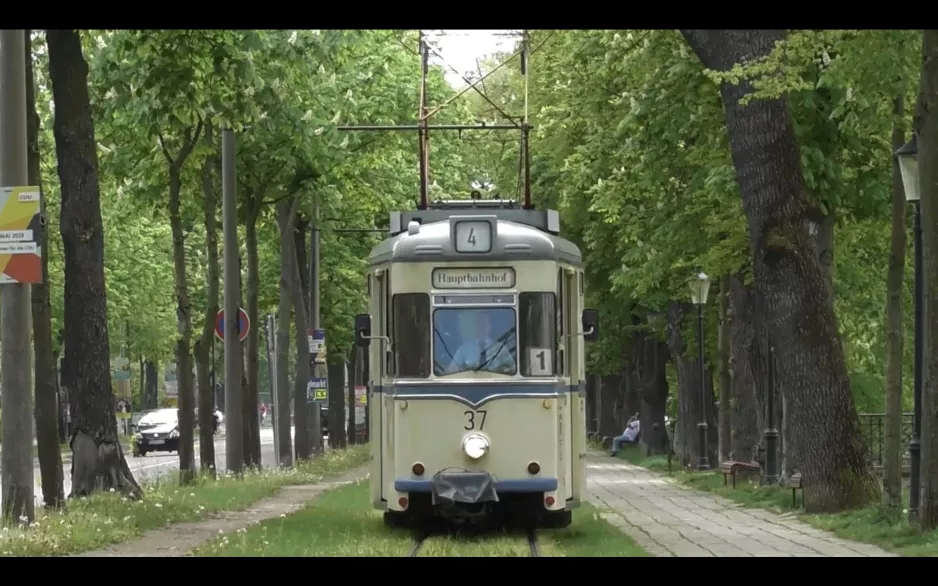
(475, 446)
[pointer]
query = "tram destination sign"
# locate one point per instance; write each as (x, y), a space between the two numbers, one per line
(474, 278)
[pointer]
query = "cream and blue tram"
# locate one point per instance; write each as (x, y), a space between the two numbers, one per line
(475, 334)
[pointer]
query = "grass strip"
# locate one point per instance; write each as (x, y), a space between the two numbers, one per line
(103, 519)
(343, 523)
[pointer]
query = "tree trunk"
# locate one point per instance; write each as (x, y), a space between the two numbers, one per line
(285, 455)
(745, 366)
(592, 402)
(286, 215)
(251, 357)
(726, 425)
(336, 377)
(812, 370)
(299, 244)
(46, 388)
(185, 406)
(300, 409)
(97, 457)
(203, 347)
(350, 435)
(926, 128)
(691, 405)
(608, 390)
(152, 386)
(652, 359)
(250, 409)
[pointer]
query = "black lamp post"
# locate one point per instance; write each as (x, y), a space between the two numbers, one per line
(771, 431)
(699, 287)
(907, 157)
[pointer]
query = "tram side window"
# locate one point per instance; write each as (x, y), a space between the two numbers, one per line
(412, 335)
(538, 339)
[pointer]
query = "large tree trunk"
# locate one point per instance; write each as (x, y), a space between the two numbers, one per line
(746, 364)
(251, 357)
(926, 128)
(46, 388)
(691, 405)
(812, 371)
(203, 347)
(97, 458)
(726, 425)
(824, 247)
(892, 434)
(652, 359)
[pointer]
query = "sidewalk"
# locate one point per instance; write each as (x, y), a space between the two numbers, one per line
(670, 520)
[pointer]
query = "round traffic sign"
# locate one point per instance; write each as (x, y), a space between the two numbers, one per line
(244, 325)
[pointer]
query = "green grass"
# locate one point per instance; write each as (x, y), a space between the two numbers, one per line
(877, 525)
(103, 519)
(343, 523)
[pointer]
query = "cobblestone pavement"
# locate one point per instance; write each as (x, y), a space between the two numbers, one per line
(667, 519)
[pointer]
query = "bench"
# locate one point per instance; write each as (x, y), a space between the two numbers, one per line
(731, 467)
(794, 483)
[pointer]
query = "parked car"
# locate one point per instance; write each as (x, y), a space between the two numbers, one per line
(157, 431)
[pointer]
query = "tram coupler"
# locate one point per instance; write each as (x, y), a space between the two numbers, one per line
(463, 494)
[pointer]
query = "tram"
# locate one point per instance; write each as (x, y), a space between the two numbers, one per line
(475, 332)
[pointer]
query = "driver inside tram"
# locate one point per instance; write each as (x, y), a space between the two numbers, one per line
(479, 351)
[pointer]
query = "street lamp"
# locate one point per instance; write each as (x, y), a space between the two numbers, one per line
(907, 157)
(699, 286)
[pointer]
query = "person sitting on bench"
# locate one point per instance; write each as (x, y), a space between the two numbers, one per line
(629, 436)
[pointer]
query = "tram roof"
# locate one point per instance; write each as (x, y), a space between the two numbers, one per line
(513, 241)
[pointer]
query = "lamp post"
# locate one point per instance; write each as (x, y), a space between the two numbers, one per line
(699, 287)
(771, 431)
(907, 156)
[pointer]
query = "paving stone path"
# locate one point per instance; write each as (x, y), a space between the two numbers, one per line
(667, 519)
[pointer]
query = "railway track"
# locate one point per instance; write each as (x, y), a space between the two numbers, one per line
(532, 543)
(418, 542)
(530, 535)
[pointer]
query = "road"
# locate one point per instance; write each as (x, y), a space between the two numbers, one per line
(154, 465)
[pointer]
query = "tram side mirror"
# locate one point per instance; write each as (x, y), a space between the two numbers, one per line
(590, 325)
(362, 330)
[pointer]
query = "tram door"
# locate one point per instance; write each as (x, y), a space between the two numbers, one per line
(378, 382)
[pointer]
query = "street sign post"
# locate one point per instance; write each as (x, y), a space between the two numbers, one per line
(317, 346)
(317, 390)
(244, 325)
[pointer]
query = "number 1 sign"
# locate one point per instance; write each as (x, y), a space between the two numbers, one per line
(540, 361)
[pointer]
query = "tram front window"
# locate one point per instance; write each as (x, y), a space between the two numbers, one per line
(474, 339)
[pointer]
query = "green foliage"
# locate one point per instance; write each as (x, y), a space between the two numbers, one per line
(629, 144)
